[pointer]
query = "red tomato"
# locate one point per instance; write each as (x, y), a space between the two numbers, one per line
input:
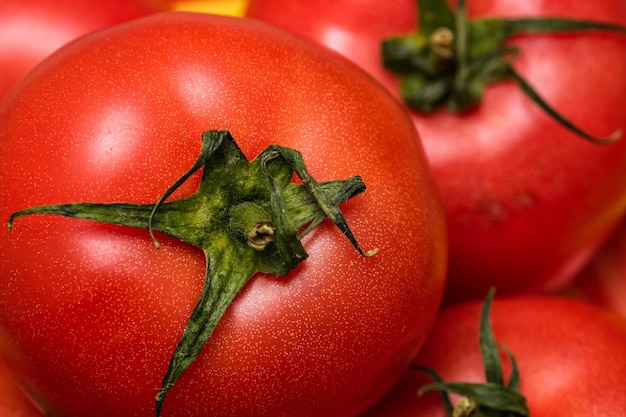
(32, 30)
(95, 311)
(571, 358)
(14, 402)
(603, 280)
(527, 201)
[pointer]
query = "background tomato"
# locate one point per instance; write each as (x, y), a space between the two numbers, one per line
(603, 280)
(94, 312)
(527, 201)
(14, 402)
(570, 357)
(31, 30)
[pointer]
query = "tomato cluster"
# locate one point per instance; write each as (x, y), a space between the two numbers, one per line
(300, 211)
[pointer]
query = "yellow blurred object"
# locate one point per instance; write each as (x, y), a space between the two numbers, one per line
(223, 7)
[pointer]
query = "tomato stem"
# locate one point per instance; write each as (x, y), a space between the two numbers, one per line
(494, 397)
(448, 61)
(245, 216)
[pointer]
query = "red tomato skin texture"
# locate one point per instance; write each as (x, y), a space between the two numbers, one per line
(94, 311)
(571, 358)
(527, 201)
(32, 30)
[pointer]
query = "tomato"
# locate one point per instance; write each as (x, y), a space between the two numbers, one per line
(32, 30)
(14, 402)
(527, 200)
(603, 280)
(94, 311)
(224, 7)
(570, 355)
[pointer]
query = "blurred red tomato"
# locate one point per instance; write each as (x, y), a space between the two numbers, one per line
(571, 358)
(30, 30)
(14, 402)
(603, 280)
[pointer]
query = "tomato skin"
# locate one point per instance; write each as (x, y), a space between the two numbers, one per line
(32, 30)
(94, 311)
(527, 201)
(571, 358)
(14, 402)
(603, 280)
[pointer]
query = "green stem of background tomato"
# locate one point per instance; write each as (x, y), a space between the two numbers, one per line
(495, 397)
(454, 73)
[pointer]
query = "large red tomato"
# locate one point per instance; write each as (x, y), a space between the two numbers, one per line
(527, 200)
(94, 311)
(31, 30)
(571, 358)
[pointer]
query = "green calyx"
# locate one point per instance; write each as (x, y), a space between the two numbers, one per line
(247, 217)
(449, 60)
(494, 398)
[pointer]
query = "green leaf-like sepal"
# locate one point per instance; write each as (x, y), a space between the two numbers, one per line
(493, 398)
(487, 395)
(245, 216)
(453, 70)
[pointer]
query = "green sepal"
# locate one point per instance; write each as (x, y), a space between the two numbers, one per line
(486, 396)
(487, 342)
(445, 397)
(494, 398)
(455, 77)
(509, 27)
(229, 184)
